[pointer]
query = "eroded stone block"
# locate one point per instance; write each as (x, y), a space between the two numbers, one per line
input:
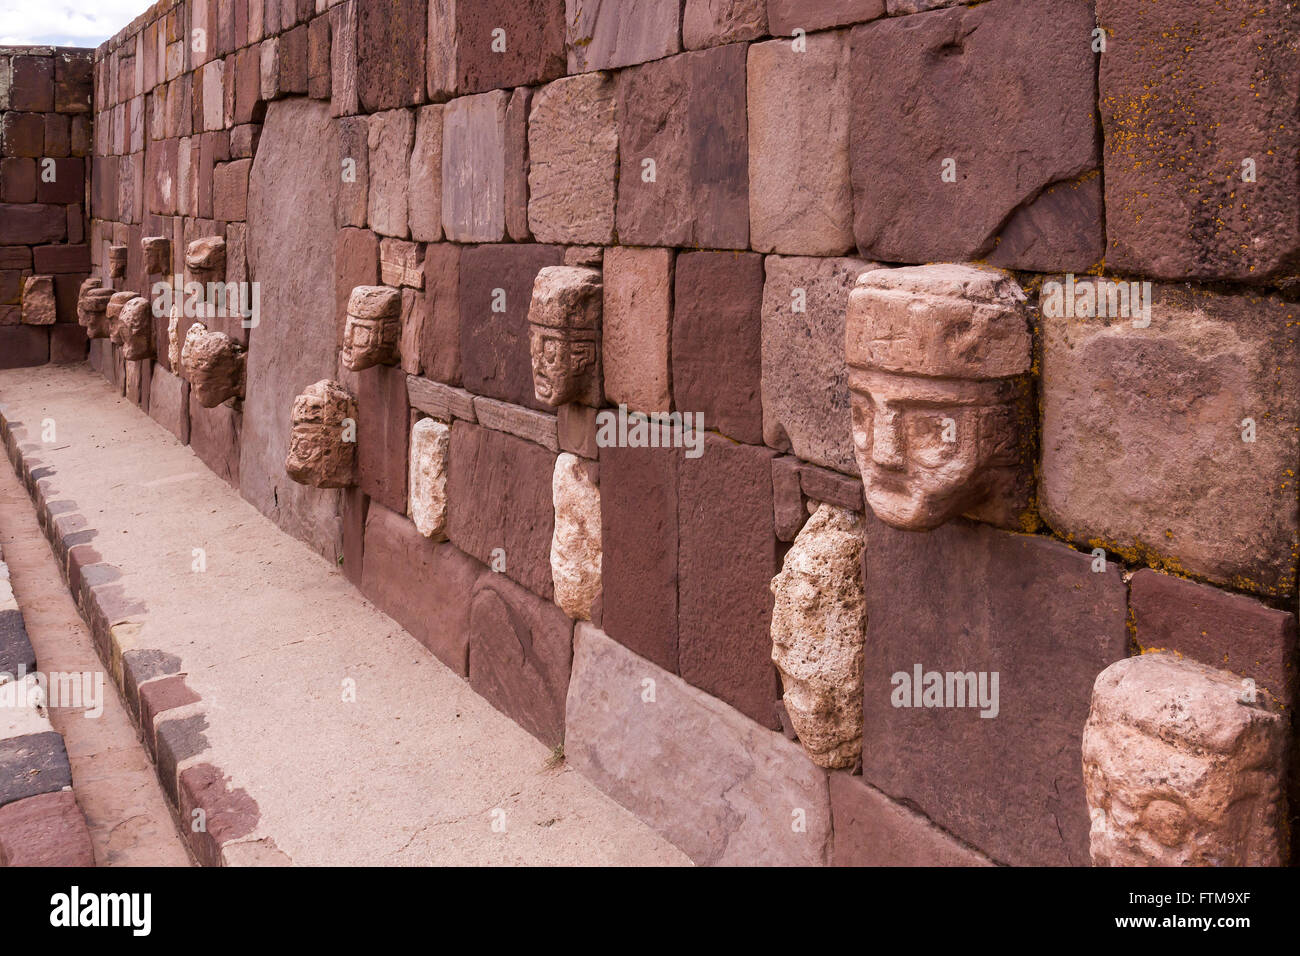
(157, 255)
(38, 301)
(604, 34)
(1180, 770)
(373, 328)
(576, 544)
(637, 329)
(708, 23)
(205, 259)
(474, 167)
(936, 356)
(818, 631)
(323, 440)
(213, 363)
(136, 319)
(564, 335)
(424, 208)
(427, 485)
(92, 308)
(117, 262)
(390, 138)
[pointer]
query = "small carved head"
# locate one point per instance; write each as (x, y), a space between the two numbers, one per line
(205, 258)
(322, 445)
(157, 254)
(564, 320)
(936, 358)
(117, 262)
(374, 327)
(136, 324)
(213, 363)
(113, 313)
(92, 303)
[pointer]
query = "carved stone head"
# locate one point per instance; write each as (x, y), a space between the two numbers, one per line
(213, 363)
(564, 335)
(113, 313)
(374, 327)
(205, 259)
(322, 445)
(157, 255)
(92, 305)
(136, 324)
(937, 357)
(117, 262)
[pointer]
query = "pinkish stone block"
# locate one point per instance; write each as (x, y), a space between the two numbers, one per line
(474, 167)
(391, 135)
(637, 327)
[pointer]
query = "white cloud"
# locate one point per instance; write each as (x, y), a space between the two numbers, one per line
(58, 23)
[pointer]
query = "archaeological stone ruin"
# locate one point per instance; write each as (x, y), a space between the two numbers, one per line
(852, 432)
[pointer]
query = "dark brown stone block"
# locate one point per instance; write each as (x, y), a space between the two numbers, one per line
(31, 223)
(499, 503)
(68, 182)
(390, 53)
(728, 555)
(32, 83)
(383, 429)
(318, 58)
(967, 598)
(22, 346)
(439, 303)
(717, 341)
(31, 765)
(495, 359)
(520, 655)
(356, 262)
(18, 179)
(22, 134)
(533, 38)
(68, 343)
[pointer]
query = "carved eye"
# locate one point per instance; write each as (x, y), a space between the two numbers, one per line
(863, 422)
(551, 349)
(932, 436)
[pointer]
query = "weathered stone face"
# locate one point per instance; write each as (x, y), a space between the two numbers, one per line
(92, 305)
(575, 545)
(1179, 769)
(38, 307)
(205, 258)
(427, 487)
(136, 319)
(564, 335)
(933, 355)
(117, 261)
(157, 255)
(213, 363)
(373, 328)
(818, 632)
(113, 313)
(322, 441)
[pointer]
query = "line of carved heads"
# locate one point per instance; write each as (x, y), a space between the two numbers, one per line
(322, 439)
(937, 360)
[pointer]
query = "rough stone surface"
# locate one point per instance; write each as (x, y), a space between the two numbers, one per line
(169, 402)
(520, 655)
(727, 558)
(291, 252)
(818, 630)
(323, 446)
(805, 386)
(499, 503)
(373, 329)
(1006, 89)
(427, 485)
(216, 437)
(564, 318)
(474, 167)
(425, 199)
(708, 23)
(1228, 631)
(389, 61)
(638, 327)
(724, 790)
(573, 161)
(439, 343)
(383, 430)
(717, 341)
(38, 301)
(603, 34)
(576, 544)
(800, 201)
(1179, 128)
(353, 199)
(687, 114)
(516, 189)
(390, 137)
(1179, 770)
(1143, 449)
(45, 830)
(423, 585)
(967, 598)
(533, 42)
(32, 764)
(872, 830)
(214, 365)
(786, 16)
(495, 359)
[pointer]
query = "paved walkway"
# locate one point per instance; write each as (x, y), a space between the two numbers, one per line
(416, 770)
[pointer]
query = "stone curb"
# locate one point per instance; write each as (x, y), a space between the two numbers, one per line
(168, 714)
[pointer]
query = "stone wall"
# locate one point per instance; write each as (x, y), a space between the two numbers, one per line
(45, 126)
(720, 173)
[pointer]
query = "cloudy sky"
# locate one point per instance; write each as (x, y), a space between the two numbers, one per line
(62, 23)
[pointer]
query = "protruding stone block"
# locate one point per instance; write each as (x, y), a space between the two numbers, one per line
(1180, 770)
(117, 262)
(573, 161)
(1174, 443)
(427, 485)
(936, 358)
(723, 789)
(818, 632)
(323, 440)
(92, 308)
(157, 255)
(637, 330)
(373, 327)
(474, 167)
(136, 319)
(564, 335)
(205, 259)
(213, 363)
(38, 301)
(576, 544)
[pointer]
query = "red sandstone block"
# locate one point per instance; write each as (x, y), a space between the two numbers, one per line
(229, 814)
(496, 44)
(162, 695)
(786, 16)
(343, 58)
(52, 259)
(353, 512)
(639, 540)
(17, 179)
(58, 133)
(499, 503)
(439, 302)
(230, 190)
(214, 436)
(72, 81)
(423, 585)
(293, 68)
(22, 346)
(22, 134)
(31, 223)
(383, 429)
(249, 105)
(63, 181)
(318, 58)
(872, 830)
(79, 137)
(717, 341)
(390, 54)
(48, 829)
(32, 83)
(520, 655)
(1228, 631)
(169, 402)
(68, 343)
(726, 561)
(604, 34)
(683, 151)
(356, 262)
(162, 176)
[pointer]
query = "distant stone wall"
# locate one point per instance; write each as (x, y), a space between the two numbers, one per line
(696, 188)
(45, 124)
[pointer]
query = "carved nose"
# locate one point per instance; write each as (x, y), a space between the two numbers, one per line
(886, 439)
